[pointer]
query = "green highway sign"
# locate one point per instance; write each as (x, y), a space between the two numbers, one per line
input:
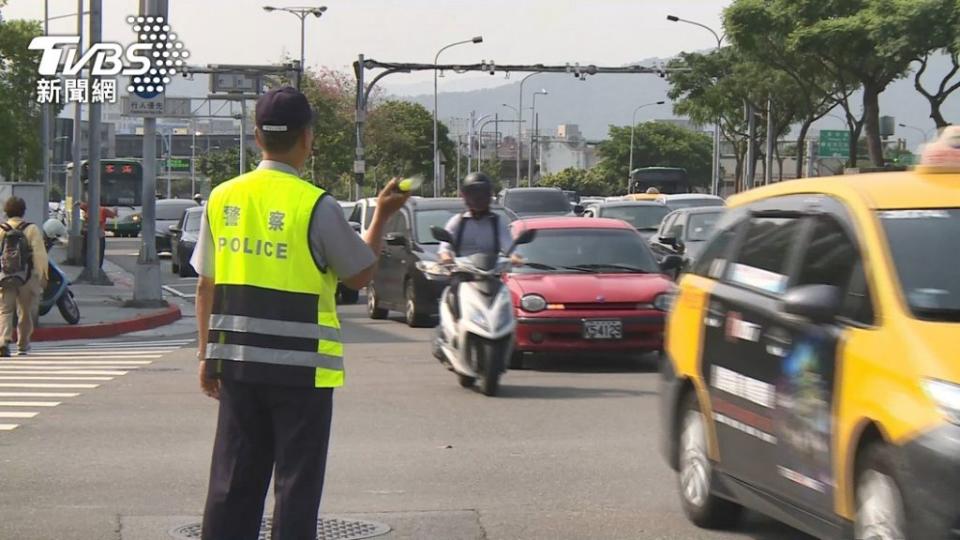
(176, 164)
(834, 143)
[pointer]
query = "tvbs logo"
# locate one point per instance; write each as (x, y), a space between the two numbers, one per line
(149, 63)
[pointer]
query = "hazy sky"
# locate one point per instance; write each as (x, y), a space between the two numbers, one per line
(610, 32)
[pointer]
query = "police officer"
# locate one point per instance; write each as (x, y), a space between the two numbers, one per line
(271, 249)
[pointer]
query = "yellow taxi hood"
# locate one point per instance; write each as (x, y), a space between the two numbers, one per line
(933, 349)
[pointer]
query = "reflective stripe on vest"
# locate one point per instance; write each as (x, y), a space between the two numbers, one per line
(272, 304)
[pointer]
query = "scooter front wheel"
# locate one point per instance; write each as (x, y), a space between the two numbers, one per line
(489, 365)
(68, 308)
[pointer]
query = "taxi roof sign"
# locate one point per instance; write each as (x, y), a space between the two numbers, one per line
(942, 155)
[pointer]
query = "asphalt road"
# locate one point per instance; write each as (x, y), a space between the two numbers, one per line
(569, 451)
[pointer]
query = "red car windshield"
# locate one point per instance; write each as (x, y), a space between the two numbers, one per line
(587, 250)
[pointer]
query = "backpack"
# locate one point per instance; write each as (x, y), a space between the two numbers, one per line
(463, 225)
(16, 256)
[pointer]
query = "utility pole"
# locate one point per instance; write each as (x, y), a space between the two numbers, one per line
(771, 142)
(92, 272)
(243, 136)
(75, 237)
(47, 153)
(148, 289)
(751, 147)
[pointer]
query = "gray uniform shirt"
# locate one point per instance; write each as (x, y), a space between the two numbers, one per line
(333, 242)
(478, 234)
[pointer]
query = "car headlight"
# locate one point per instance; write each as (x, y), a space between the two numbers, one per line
(533, 303)
(135, 218)
(947, 396)
(479, 319)
(663, 302)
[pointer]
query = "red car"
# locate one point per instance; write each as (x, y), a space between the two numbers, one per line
(587, 285)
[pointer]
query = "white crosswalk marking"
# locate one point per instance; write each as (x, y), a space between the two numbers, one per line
(5, 414)
(62, 370)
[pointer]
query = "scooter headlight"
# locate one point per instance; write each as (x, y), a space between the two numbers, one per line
(479, 319)
(533, 303)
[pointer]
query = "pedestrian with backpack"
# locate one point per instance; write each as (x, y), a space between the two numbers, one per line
(23, 275)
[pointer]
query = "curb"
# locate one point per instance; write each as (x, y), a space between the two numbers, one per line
(148, 321)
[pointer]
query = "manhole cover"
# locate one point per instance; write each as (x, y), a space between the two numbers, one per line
(327, 529)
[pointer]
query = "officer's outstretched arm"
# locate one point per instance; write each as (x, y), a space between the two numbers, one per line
(389, 202)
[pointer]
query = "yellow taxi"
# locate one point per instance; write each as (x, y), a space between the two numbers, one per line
(813, 357)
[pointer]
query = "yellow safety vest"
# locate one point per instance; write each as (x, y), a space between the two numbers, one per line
(272, 303)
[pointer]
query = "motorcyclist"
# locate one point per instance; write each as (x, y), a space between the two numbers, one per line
(478, 230)
(198, 198)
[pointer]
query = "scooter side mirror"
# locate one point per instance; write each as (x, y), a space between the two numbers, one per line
(441, 235)
(525, 237)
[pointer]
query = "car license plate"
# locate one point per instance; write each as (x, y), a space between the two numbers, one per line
(602, 329)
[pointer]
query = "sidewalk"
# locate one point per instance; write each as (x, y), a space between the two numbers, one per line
(102, 311)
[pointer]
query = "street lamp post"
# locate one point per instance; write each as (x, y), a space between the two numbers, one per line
(301, 13)
(533, 116)
(926, 134)
(633, 128)
(519, 145)
(519, 137)
(716, 126)
(436, 104)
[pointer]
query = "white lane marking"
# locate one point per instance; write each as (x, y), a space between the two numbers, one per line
(16, 369)
(175, 292)
(76, 362)
(55, 356)
(29, 403)
(56, 378)
(8, 427)
(109, 344)
(37, 385)
(106, 354)
(64, 372)
(38, 394)
(4, 414)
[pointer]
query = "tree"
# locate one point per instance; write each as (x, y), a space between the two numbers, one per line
(400, 140)
(760, 33)
(940, 37)
(20, 152)
(331, 99)
(592, 182)
(869, 43)
(222, 165)
(656, 144)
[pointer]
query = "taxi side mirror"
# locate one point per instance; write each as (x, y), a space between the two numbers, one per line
(818, 303)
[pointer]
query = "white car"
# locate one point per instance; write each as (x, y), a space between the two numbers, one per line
(362, 214)
(689, 200)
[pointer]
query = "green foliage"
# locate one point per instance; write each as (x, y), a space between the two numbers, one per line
(866, 43)
(656, 144)
(330, 95)
(222, 165)
(20, 152)
(400, 140)
(593, 182)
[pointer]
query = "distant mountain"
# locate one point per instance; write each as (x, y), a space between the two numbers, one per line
(602, 100)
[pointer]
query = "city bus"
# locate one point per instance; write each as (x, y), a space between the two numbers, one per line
(667, 180)
(121, 188)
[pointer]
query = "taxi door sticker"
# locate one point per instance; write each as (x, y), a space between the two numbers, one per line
(803, 415)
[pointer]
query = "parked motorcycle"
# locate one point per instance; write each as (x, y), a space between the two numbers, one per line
(57, 293)
(477, 342)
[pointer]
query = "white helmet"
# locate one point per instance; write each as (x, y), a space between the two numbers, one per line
(54, 229)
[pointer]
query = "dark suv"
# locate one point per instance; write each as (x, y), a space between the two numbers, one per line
(535, 202)
(399, 285)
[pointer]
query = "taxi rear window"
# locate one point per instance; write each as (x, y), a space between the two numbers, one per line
(923, 246)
